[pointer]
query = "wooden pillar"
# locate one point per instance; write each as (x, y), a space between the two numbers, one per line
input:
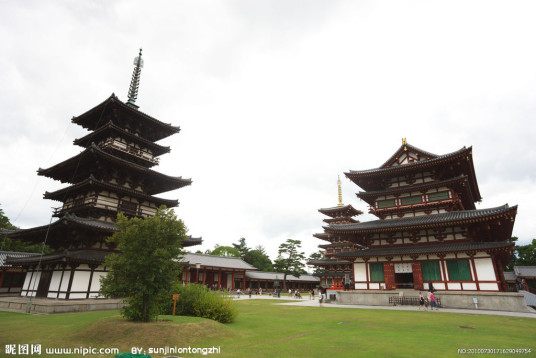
(366, 272)
(204, 276)
(503, 286)
(417, 276)
(219, 280)
(244, 280)
(475, 276)
(2, 274)
(187, 274)
(389, 273)
(233, 282)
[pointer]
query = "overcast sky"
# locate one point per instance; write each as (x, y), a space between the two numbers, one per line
(275, 99)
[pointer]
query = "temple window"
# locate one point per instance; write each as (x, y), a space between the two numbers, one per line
(438, 196)
(459, 270)
(386, 203)
(376, 272)
(411, 200)
(430, 271)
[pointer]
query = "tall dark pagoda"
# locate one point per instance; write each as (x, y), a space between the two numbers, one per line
(112, 174)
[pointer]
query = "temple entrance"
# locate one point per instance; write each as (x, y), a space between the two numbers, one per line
(404, 280)
(44, 283)
(403, 275)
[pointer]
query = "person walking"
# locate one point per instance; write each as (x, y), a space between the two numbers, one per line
(433, 302)
(421, 302)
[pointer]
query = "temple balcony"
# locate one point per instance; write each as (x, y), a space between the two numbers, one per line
(111, 143)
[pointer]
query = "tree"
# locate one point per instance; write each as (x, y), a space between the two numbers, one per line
(259, 259)
(9, 244)
(289, 260)
(146, 267)
(241, 247)
(523, 255)
(319, 255)
(227, 251)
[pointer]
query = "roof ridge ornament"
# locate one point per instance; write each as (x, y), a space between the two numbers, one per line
(340, 191)
(404, 143)
(135, 82)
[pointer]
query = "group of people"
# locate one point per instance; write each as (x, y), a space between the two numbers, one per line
(423, 302)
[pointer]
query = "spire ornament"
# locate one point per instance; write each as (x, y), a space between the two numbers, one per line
(135, 83)
(340, 190)
(404, 143)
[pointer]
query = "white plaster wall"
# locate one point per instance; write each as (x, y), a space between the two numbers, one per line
(360, 286)
(26, 281)
(360, 272)
(439, 285)
(65, 282)
(55, 281)
(374, 286)
(229, 281)
(484, 269)
(80, 281)
(35, 281)
(62, 295)
(489, 286)
(469, 286)
(77, 295)
(454, 286)
(95, 283)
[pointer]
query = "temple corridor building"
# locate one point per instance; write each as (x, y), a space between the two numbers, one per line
(429, 234)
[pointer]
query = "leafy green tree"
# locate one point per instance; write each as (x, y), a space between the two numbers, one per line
(241, 247)
(259, 259)
(523, 255)
(146, 268)
(319, 255)
(290, 260)
(9, 244)
(227, 251)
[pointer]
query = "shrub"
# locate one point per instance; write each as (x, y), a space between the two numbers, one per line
(196, 301)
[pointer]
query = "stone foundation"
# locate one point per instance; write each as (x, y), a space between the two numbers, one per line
(47, 306)
(495, 301)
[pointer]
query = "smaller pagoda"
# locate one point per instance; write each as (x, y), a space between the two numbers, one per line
(336, 273)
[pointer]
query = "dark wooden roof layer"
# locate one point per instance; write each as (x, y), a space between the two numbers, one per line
(111, 130)
(426, 249)
(114, 109)
(328, 262)
(93, 183)
(426, 221)
(461, 161)
(81, 166)
(84, 256)
(346, 210)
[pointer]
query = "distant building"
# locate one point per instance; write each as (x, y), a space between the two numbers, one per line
(112, 174)
(223, 272)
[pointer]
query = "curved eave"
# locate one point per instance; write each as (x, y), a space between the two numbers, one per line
(335, 220)
(347, 210)
(328, 262)
(427, 249)
(458, 218)
(61, 194)
(85, 141)
(64, 171)
(192, 241)
(88, 119)
(88, 256)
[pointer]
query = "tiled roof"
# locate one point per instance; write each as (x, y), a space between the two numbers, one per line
(5, 254)
(260, 275)
(422, 163)
(347, 210)
(411, 148)
(192, 241)
(109, 103)
(422, 221)
(157, 149)
(216, 261)
(525, 271)
(509, 276)
(59, 194)
(170, 182)
(80, 256)
(425, 249)
(325, 262)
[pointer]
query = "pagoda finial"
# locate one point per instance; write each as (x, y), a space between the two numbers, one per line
(135, 83)
(404, 143)
(340, 191)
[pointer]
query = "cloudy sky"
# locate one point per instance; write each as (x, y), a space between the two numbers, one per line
(275, 99)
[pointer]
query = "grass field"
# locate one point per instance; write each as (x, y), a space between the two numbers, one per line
(264, 329)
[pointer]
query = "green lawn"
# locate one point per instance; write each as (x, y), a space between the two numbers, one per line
(264, 329)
